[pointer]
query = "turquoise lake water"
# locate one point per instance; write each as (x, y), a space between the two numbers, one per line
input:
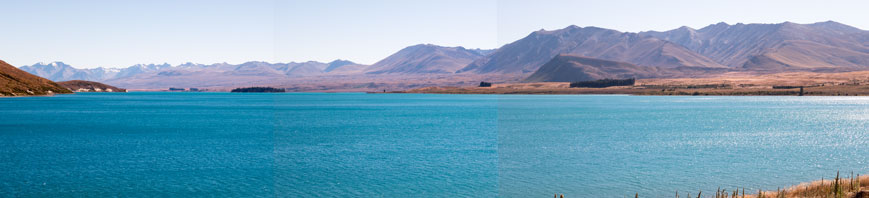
(419, 145)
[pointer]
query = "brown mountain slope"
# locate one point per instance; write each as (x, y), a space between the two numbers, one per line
(89, 86)
(15, 82)
(351, 69)
(528, 54)
(807, 56)
(425, 58)
(777, 47)
(572, 68)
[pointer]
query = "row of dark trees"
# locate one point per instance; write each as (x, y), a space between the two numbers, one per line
(258, 89)
(785, 87)
(604, 83)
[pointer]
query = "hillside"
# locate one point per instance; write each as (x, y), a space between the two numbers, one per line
(15, 82)
(807, 56)
(89, 86)
(425, 58)
(823, 46)
(572, 68)
(528, 54)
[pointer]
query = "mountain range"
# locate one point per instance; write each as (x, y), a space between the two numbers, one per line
(824, 46)
(528, 54)
(777, 47)
(590, 52)
(15, 82)
(59, 71)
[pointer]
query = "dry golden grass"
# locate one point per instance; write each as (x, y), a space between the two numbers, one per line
(816, 84)
(826, 188)
(751, 80)
(847, 187)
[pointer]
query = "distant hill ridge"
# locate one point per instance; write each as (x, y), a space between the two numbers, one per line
(59, 71)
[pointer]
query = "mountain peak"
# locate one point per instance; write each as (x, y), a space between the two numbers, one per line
(54, 64)
(337, 63)
(716, 26)
(425, 58)
(788, 23)
(685, 28)
(423, 45)
(569, 28)
(246, 63)
(836, 26)
(828, 22)
(340, 61)
(573, 29)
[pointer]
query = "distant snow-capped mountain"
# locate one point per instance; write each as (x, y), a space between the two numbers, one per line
(59, 71)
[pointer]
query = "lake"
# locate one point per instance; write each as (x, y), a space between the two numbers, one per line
(147, 144)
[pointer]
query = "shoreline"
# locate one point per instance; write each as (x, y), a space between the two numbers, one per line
(729, 84)
(808, 91)
(845, 90)
(844, 187)
(784, 84)
(44, 95)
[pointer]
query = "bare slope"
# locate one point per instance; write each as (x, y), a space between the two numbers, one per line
(425, 58)
(823, 46)
(572, 68)
(528, 54)
(16, 82)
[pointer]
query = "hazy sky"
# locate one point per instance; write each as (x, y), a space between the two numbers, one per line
(117, 33)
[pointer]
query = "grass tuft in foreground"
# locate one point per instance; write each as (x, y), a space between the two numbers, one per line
(852, 187)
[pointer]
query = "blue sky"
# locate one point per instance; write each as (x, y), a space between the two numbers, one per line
(88, 34)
